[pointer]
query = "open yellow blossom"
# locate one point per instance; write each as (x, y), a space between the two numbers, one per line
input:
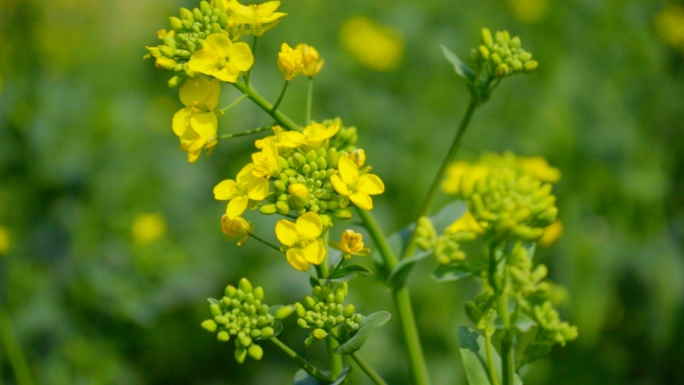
(259, 18)
(245, 189)
(196, 124)
(147, 228)
(289, 62)
(377, 47)
(283, 140)
(237, 228)
(4, 240)
(221, 58)
(266, 161)
(552, 233)
(358, 188)
(316, 134)
(301, 240)
(465, 223)
(351, 243)
(311, 60)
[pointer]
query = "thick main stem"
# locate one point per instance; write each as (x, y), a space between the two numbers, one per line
(402, 300)
(22, 373)
(304, 364)
(336, 364)
(377, 380)
(451, 154)
(490, 359)
(309, 101)
(279, 117)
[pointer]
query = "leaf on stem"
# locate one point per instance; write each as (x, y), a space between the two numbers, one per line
(349, 272)
(474, 357)
(463, 71)
(367, 326)
(451, 272)
(304, 378)
(524, 323)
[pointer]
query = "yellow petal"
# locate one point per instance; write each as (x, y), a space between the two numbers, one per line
(286, 232)
(237, 206)
(203, 61)
(204, 123)
(268, 7)
(181, 121)
(340, 186)
(309, 225)
(315, 252)
(370, 184)
(245, 175)
(297, 260)
(348, 170)
(225, 190)
(228, 74)
(257, 189)
(219, 43)
(200, 92)
(241, 56)
(362, 200)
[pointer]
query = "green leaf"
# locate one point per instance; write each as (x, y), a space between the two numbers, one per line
(448, 215)
(451, 272)
(313, 281)
(304, 378)
(461, 68)
(402, 269)
(524, 323)
(214, 301)
(474, 356)
(349, 270)
(367, 326)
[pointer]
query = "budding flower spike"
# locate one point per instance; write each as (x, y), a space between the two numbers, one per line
(351, 243)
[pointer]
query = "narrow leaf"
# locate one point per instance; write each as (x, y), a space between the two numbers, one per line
(304, 378)
(524, 323)
(367, 326)
(475, 366)
(461, 68)
(451, 272)
(351, 270)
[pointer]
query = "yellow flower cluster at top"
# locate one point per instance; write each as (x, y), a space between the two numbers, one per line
(301, 173)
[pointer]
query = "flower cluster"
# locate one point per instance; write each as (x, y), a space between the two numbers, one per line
(242, 315)
(501, 55)
(325, 311)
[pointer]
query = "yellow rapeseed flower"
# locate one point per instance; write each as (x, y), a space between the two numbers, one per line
(147, 228)
(529, 11)
(289, 62)
(357, 156)
(538, 168)
(316, 134)
(196, 124)
(237, 228)
(552, 233)
(351, 243)
(358, 188)
(301, 240)
(245, 189)
(465, 223)
(377, 47)
(283, 140)
(4, 240)
(266, 161)
(462, 176)
(669, 24)
(311, 60)
(221, 58)
(259, 18)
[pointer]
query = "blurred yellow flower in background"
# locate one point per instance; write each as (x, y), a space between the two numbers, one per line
(552, 233)
(4, 240)
(530, 11)
(148, 227)
(537, 167)
(669, 24)
(376, 46)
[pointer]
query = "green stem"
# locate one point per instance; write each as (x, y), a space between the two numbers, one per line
(304, 364)
(282, 95)
(339, 264)
(436, 183)
(265, 242)
(279, 117)
(244, 133)
(490, 359)
(507, 357)
(336, 364)
(402, 300)
(309, 101)
(367, 369)
(233, 104)
(249, 73)
(17, 360)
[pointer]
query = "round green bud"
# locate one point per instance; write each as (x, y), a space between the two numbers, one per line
(487, 37)
(258, 293)
(333, 158)
(322, 163)
(267, 332)
(176, 23)
(283, 313)
(309, 302)
(311, 156)
(256, 352)
(215, 310)
(209, 325)
(319, 334)
(245, 341)
(339, 297)
(306, 169)
(501, 70)
(176, 81)
(330, 298)
(240, 293)
(530, 65)
(240, 355)
(298, 160)
(484, 52)
(282, 207)
(302, 323)
(223, 336)
(343, 214)
(301, 312)
(245, 285)
(279, 186)
(256, 333)
(268, 209)
(349, 311)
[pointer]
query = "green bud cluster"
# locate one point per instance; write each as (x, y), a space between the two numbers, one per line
(551, 328)
(188, 34)
(514, 207)
(426, 234)
(502, 55)
(312, 169)
(242, 315)
(481, 310)
(526, 279)
(448, 249)
(345, 139)
(325, 310)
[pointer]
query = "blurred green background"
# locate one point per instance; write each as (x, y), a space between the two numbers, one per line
(87, 151)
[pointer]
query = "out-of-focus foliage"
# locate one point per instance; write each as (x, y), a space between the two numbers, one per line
(101, 291)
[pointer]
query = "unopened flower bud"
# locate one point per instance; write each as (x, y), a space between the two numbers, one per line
(245, 285)
(223, 336)
(349, 311)
(176, 23)
(256, 352)
(240, 353)
(165, 63)
(283, 313)
(209, 325)
(319, 334)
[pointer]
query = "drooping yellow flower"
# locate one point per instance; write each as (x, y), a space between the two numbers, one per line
(258, 18)
(530, 11)
(316, 134)
(283, 140)
(4, 240)
(237, 228)
(196, 124)
(465, 223)
(377, 47)
(221, 58)
(266, 161)
(311, 60)
(147, 228)
(289, 62)
(551, 234)
(245, 189)
(351, 243)
(301, 240)
(669, 25)
(358, 188)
